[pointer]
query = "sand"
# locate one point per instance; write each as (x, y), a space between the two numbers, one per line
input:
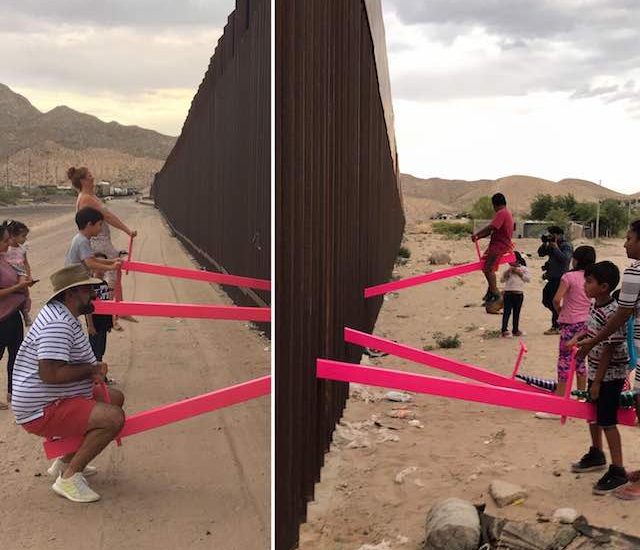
(461, 446)
(201, 483)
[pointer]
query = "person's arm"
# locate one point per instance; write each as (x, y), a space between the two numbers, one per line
(100, 264)
(617, 320)
(557, 299)
(543, 250)
(91, 329)
(505, 275)
(109, 216)
(22, 283)
(484, 232)
(525, 275)
(562, 253)
(53, 371)
(603, 365)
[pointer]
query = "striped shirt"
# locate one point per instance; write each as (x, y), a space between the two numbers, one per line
(630, 293)
(619, 364)
(57, 335)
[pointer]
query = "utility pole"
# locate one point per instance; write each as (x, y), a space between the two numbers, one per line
(598, 215)
(29, 173)
(7, 180)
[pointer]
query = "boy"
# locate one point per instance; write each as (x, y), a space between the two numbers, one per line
(89, 222)
(608, 368)
(98, 326)
(501, 231)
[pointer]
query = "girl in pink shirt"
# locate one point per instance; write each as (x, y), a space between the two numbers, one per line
(16, 256)
(572, 305)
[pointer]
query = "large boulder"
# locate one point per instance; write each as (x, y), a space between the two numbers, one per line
(452, 524)
(439, 257)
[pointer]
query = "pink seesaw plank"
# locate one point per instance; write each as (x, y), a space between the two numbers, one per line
(436, 361)
(197, 275)
(431, 277)
(191, 311)
(466, 391)
(175, 412)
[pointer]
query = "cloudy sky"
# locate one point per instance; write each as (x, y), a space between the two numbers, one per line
(133, 61)
(490, 88)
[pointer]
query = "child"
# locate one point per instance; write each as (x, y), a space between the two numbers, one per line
(572, 304)
(89, 222)
(608, 362)
(99, 326)
(16, 256)
(515, 276)
(501, 231)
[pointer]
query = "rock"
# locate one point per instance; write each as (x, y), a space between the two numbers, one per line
(404, 473)
(505, 493)
(565, 515)
(452, 524)
(416, 424)
(398, 396)
(406, 414)
(384, 545)
(439, 257)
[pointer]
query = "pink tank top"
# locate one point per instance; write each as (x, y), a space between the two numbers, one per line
(575, 303)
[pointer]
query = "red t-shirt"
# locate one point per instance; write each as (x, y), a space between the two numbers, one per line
(502, 224)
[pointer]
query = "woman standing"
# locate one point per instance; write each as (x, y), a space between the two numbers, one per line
(82, 180)
(12, 297)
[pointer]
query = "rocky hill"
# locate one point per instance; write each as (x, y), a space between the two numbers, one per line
(40, 146)
(425, 197)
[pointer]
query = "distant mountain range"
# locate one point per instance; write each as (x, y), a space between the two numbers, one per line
(40, 146)
(425, 197)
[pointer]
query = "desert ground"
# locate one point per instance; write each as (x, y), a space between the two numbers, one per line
(382, 473)
(201, 483)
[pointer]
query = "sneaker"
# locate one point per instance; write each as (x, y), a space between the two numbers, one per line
(609, 482)
(506, 334)
(547, 416)
(58, 467)
(551, 331)
(591, 461)
(518, 333)
(75, 488)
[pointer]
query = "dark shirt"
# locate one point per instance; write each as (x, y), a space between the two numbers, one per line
(559, 258)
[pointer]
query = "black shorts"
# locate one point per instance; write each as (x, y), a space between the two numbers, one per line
(608, 402)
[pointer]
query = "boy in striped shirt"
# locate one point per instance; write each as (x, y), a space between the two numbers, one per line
(608, 369)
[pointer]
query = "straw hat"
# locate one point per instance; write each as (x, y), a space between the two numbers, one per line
(69, 277)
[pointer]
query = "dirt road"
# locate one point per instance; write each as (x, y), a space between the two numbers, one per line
(201, 483)
(459, 447)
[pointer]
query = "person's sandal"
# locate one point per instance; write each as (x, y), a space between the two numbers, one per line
(627, 492)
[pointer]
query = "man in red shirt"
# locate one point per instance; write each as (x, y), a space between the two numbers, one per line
(501, 231)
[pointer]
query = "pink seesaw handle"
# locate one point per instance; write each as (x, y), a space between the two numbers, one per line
(175, 412)
(431, 277)
(446, 364)
(197, 275)
(521, 353)
(190, 311)
(466, 391)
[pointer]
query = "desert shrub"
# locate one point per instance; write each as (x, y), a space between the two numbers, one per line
(453, 229)
(447, 342)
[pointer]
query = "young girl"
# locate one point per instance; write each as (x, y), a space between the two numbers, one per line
(16, 256)
(515, 276)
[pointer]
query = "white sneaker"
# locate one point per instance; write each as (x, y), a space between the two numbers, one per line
(75, 488)
(58, 467)
(547, 416)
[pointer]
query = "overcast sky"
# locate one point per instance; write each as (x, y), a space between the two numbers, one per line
(133, 61)
(490, 88)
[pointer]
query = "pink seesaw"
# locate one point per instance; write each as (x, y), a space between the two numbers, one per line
(168, 414)
(466, 391)
(452, 366)
(190, 311)
(432, 277)
(196, 275)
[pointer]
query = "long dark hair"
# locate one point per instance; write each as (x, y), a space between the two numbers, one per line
(520, 259)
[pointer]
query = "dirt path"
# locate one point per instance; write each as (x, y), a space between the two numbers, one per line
(202, 483)
(461, 446)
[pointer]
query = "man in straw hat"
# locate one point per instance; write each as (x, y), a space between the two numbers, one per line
(54, 383)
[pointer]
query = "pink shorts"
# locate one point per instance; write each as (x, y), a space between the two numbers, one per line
(493, 254)
(64, 418)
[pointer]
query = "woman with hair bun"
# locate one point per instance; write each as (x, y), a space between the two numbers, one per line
(83, 182)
